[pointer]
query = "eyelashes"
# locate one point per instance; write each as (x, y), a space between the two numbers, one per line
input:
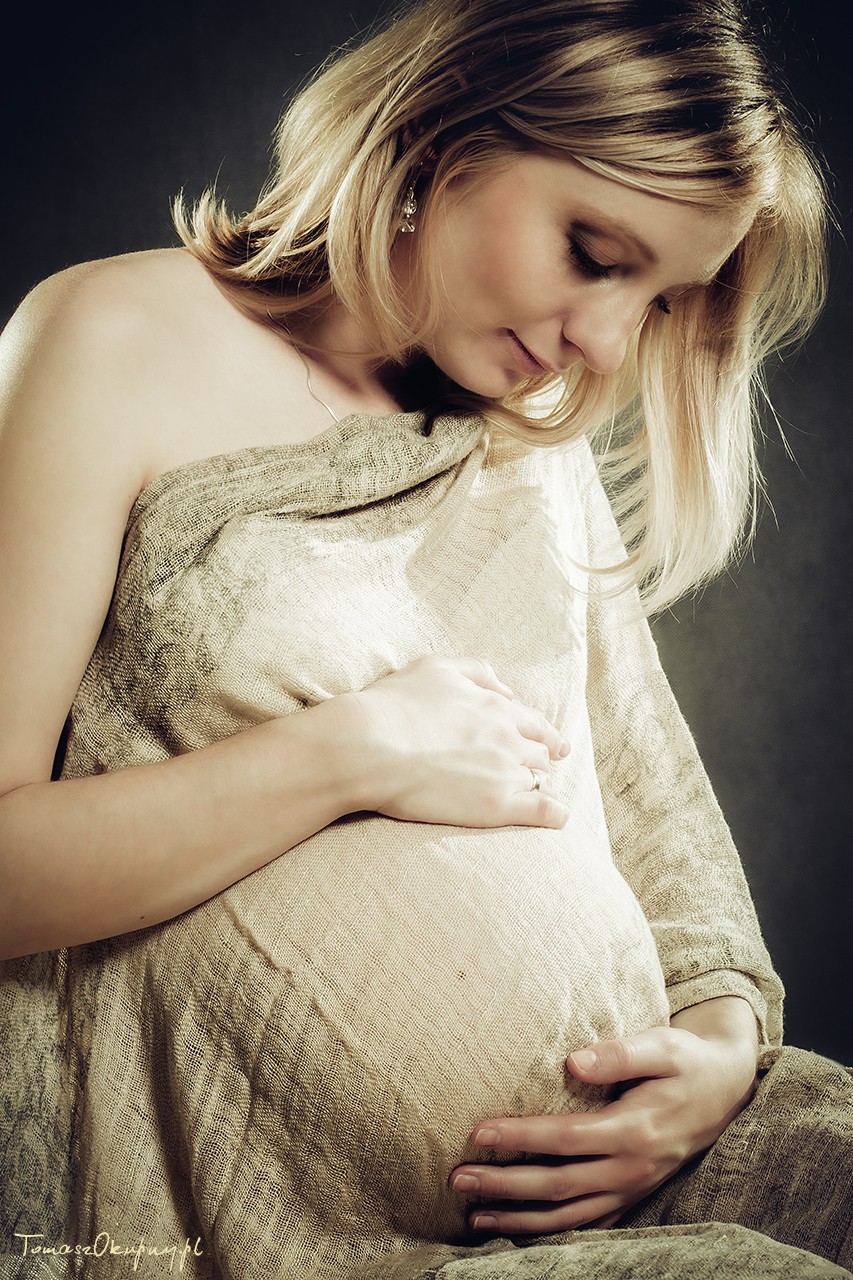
(587, 264)
(596, 270)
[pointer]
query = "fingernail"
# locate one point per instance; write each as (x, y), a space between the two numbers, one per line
(586, 1059)
(483, 1222)
(563, 747)
(466, 1182)
(487, 1138)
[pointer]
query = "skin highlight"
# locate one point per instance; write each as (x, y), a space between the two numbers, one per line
(540, 265)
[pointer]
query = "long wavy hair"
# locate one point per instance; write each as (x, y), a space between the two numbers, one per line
(672, 97)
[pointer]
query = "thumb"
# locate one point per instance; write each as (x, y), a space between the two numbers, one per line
(649, 1053)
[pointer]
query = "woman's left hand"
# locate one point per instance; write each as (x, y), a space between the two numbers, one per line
(683, 1085)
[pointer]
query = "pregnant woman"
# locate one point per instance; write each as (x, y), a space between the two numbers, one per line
(374, 911)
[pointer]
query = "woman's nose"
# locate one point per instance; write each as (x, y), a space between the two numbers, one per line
(601, 330)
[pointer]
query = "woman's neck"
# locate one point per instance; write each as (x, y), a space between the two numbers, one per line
(346, 372)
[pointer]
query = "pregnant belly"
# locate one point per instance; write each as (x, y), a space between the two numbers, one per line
(374, 993)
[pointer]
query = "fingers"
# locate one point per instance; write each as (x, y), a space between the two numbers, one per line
(655, 1053)
(555, 1195)
(588, 1168)
(544, 1219)
(583, 1134)
(532, 1181)
(535, 727)
(538, 808)
(531, 723)
(534, 804)
(536, 757)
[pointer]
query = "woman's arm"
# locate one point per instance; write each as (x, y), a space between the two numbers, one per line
(682, 1084)
(87, 858)
(669, 837)
(439, 741)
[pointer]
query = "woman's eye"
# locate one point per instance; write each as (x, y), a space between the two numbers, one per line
(588, 265)
(662, 305)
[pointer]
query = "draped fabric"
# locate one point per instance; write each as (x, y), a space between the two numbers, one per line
(285, 1076)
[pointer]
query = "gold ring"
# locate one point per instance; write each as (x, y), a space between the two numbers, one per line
(537, 781)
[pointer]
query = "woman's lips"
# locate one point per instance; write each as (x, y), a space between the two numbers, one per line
(528, 361)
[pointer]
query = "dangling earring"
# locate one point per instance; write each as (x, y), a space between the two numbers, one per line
(410, 208)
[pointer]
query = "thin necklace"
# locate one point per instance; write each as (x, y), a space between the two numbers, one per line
(312, 393)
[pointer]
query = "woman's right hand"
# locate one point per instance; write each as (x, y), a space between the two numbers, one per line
(442, 741)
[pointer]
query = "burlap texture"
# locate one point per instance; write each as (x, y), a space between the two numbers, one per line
(289, 1072)
(772, 1198)
(704, 1251)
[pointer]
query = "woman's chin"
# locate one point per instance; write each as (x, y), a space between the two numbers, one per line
(500, 384)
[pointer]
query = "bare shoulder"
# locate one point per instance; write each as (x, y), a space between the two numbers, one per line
(106, 301)
(144, 362)
(95, 356)
(74, 363)
(98, 309)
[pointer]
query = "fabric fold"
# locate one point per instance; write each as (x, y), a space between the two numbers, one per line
(289, 1072)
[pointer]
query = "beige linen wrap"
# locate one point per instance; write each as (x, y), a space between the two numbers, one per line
(290, 1071)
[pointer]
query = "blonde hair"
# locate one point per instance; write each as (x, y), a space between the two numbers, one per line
(672, 97)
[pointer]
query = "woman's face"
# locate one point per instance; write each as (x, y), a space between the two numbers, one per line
(545, 263)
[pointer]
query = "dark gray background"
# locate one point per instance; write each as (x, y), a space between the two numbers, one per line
(107, 113)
